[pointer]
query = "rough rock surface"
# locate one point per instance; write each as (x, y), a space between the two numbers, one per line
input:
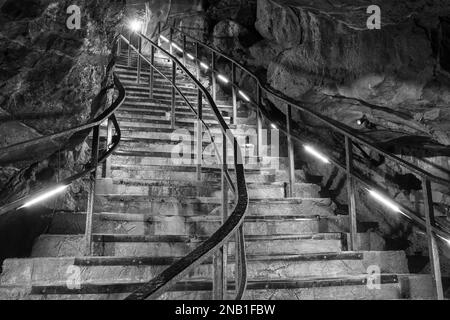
(49, 78)
(392, 85)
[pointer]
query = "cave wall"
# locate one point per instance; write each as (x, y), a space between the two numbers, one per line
(49, 78)
(396, 79)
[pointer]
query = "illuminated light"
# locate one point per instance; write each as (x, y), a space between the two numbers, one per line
(135, 25)
(45, 196)
(164, 39)
(274, 126)
(204, 65)
(177, 47)
(190, 56)
(223, 79)
(444, 239)
(243, 95)
(316, 154)
(387, 202)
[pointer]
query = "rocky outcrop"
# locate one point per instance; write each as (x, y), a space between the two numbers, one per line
(50, 75)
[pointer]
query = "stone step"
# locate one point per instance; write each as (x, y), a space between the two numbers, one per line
(171, 134)
(136, 224)
(125, 119)
(50, 271)
(165, 159)
(180, 246)
(192, 188)
(189, 173)
(167, 99)
(180, 143)
(166, 105)
(202, 205)
(401, 286)
(150, 113)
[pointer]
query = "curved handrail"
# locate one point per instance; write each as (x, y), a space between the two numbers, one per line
(107, 114)
(177, 271)
(432, 227)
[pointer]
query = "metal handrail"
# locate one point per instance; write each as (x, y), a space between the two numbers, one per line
(91, 167)
(428, 223)
(234, 223)
(108, 114)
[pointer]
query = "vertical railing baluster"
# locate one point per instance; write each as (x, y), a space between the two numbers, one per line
(159, 33)
(351, 194)
(129, 50)
(197, 61)
(170, 39)
(139, 60)
(91, 196)
(220, 258)
(213, 75)
(184, 50)
(234, 93)
(290, 146)
(119, 46)
(433, 250)
(152, 71)
(199, 133)
(174, 75)
(259, 133)
(109, 137)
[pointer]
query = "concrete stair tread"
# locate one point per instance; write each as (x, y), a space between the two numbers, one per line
(214, 200)
(187, 239)
(206, 284)
(162, 182)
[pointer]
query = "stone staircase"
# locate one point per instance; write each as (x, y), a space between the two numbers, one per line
(151, 212)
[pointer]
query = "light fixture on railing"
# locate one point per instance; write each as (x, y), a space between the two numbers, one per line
(44, 196)
(164, 38)
(273, 126)
(204, 65)
(316, 154)
(223, 78)
(447, 241)
(387, 202)
(135, 25)
(190, 56)
(243, 95)
(177, 47)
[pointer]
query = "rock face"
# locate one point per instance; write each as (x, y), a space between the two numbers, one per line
(50, 75)
(391, 84)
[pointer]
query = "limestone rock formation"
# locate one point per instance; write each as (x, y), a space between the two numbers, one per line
(50, 75)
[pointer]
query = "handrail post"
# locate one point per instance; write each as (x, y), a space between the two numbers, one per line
(199, 134)
(159, 33)
(184, 49)
(91, 196)
(197, 59)
(234, 93)
(174, 75)
(213, 75)
(129, 50)
(290, 146)
(109, 138)
(119, 46)
(170, 39)
(351, 194)
(220, 258)
(259, 134)
(433, 249)
(139, 60)
(152, 75)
